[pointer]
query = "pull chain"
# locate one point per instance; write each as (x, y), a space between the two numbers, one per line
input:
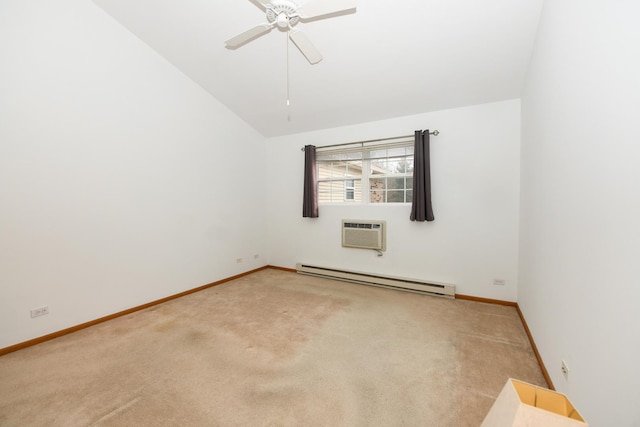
(288, 102)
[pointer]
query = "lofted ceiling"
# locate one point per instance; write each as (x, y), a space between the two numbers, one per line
(383, 60)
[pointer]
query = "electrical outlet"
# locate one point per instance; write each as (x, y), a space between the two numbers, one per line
(565, 370)
(499, 282)
(238, 260)
(40, 311)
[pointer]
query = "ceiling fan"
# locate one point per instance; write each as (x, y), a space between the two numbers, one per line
(285, 14)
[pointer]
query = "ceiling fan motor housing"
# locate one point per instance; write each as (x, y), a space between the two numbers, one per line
(283, 13)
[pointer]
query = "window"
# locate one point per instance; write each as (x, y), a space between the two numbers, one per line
(381, 173)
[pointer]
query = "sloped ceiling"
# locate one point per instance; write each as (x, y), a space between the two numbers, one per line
(386, 59)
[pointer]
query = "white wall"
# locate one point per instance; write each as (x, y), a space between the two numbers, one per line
(121, 181)
(580, 231)
(475, 188)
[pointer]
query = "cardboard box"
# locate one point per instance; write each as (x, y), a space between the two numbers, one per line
(526, 405)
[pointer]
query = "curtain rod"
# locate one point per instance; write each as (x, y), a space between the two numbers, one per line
(434, 133)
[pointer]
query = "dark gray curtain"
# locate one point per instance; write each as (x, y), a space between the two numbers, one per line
(310, 196)
(421, 209)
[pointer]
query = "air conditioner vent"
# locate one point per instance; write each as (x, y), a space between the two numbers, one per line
(369, 226)
(364, 234)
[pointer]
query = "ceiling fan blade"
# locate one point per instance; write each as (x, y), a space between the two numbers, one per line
(308, 50)
(242, 38)
(316, 8)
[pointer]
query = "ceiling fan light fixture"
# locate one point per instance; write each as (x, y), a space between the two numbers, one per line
(282, 20)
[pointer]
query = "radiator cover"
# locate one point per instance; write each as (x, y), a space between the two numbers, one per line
(444, 290)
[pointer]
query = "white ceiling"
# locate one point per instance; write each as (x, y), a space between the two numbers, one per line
(388, 59)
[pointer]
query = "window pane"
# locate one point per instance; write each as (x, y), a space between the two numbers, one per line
(337, 169)
(395, 183)
(395, 196)
(377, 190)
(353, 168)
(357, 197)
(346, 155)
(324, 170)
(325, 192)
(409, 160)
(349, 189)
(378, 167)
(396, 166)
(377, 154)
(399, 151)
(402, 165)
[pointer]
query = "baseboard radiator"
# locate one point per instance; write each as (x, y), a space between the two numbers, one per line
(412, 285)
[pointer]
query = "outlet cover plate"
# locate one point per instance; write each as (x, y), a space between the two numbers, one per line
(565, 370)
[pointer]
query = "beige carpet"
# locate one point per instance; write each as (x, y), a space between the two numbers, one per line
(275, 349)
